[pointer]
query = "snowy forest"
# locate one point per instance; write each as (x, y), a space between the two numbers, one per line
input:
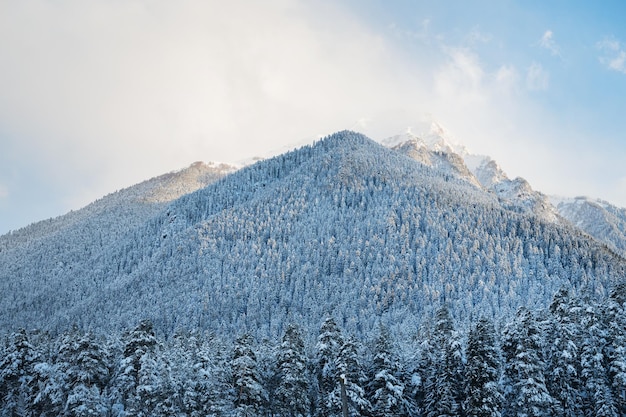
(339, 277)
(568, 360)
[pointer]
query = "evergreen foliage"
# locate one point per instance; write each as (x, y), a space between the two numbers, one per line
(482, 372)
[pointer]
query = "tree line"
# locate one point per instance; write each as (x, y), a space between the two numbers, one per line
(568, 360)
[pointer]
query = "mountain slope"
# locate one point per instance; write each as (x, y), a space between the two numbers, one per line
(434, 147)
(600, 219)
(344, 227)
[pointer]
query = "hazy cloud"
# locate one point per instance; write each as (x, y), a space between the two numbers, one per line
(122, 91)
(537, 78)
(547, 41)
(4, 191)
(614, 55)
(461, 76)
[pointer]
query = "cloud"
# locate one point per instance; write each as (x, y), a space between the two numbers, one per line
(461, 76)
(537, 78)
(547, 41)
(614, 55)
(109, 93)
(4, 191)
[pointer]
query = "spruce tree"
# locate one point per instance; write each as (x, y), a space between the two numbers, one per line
(445, 388)
(329, 343)
(526, 393)
(563, 357)
(250, 395)
(598, 398)
(293, 386)
(386, 390)
(482, 372)
(615, 319)
(351, 371)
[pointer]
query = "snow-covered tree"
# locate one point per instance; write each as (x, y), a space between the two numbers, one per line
(328, 346)
(250, 395)
(352, 374)
(84, 368)
(598, 398)
(615, 318)
(292, 394)
(445, 388)
(386, 389)
(526, 394)
(482, 372)
(16, 374)
(563, 357)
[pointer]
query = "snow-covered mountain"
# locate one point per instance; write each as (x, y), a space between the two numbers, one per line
(344, 227)
(600, 219)
(117, 213)
(435, 147)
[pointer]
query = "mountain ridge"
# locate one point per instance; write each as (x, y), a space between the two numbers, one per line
(344, 227)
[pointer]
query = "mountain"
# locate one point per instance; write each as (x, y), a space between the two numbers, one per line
(120, 211)
(600, 219)
(345, 227)
(434, 147)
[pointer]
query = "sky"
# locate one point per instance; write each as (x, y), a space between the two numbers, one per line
(99, 95)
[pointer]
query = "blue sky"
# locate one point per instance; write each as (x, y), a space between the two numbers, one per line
(100, 95)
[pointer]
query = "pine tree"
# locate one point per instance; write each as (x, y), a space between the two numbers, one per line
(563, 359)
(482, 372)
(293, 386)
(216, 393)
(445, 388)
(249, 393)
(598, 397)
(615, 319)
(136, 382)
(83, 364)
(526, 393)
(386, 390)
(329, 343)
(351, 371)
(16, 374)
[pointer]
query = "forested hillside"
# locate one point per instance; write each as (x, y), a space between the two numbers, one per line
(565, 360)
(345, 227)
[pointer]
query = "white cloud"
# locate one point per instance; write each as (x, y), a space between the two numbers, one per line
(537, 78)
(128, 90)
(4, 191)
(461, 76)
(547, 41)
(507, 78)
(614, 54)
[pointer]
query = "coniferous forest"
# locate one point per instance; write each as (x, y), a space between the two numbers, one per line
(340, 278)
(566, 360)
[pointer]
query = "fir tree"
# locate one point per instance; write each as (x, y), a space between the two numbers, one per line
(249, 393)
(351, 371)
(563, 367)
(526, 393)
(386, 390)
(329, 343)
(482, 372)
(293, 386)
